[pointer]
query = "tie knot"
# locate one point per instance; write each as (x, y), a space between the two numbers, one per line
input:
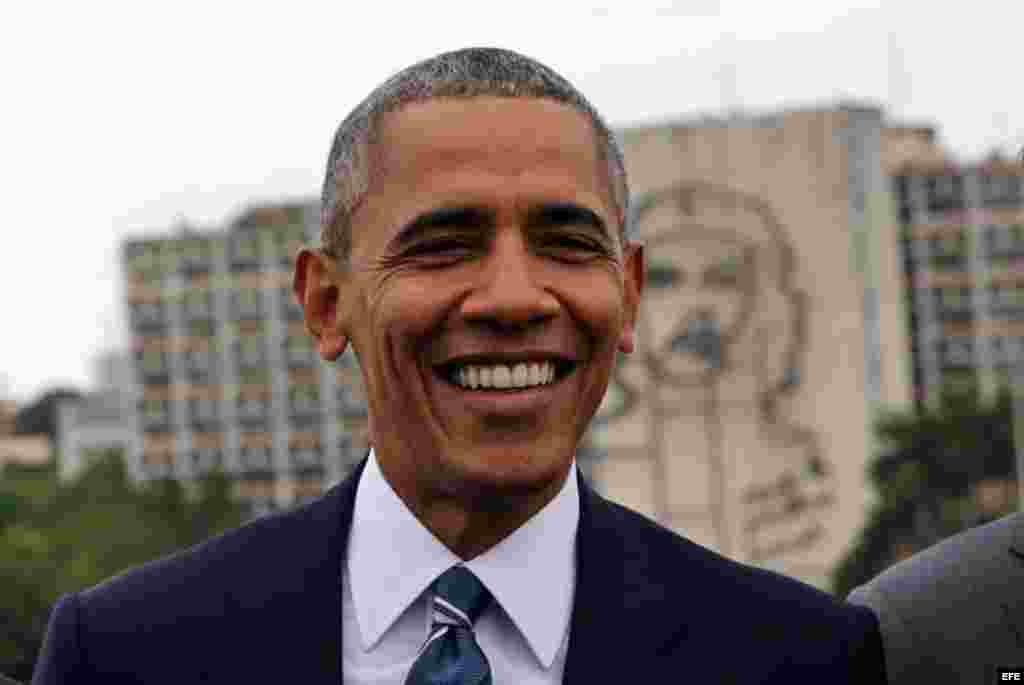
(458, 589)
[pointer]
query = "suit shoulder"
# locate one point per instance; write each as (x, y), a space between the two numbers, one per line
(945, 566)
(704, 600)
(210, 566)
(712, 576)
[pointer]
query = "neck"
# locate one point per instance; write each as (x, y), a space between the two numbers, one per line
(474, 519)
(469, 531)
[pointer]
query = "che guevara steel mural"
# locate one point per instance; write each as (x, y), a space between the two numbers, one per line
(721, 333)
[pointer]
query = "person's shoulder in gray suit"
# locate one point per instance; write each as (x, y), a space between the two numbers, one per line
(955, 611)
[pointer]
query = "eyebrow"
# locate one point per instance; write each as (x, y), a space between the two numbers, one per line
(554, 213)
(463, 217)
(442, 217)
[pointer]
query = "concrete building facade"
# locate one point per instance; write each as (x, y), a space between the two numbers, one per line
(224, 373)
(963, 236)
(772, 332)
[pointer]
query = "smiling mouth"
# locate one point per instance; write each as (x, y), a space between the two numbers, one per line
(447, 373)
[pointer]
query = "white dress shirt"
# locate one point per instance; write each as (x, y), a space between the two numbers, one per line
(393, 559)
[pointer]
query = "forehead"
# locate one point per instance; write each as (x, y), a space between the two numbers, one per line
(453, 145)
(699, 249)
(694, 217)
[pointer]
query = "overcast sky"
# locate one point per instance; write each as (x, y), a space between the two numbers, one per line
(123, 118)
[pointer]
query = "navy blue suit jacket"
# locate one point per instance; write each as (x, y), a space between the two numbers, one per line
(262, 604)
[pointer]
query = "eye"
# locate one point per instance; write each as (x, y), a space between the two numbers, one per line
(663, 276)
(727, 273)
(572, 243)
(440, 246)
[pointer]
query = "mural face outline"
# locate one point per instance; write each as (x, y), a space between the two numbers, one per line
(710, 277)
(718, 300)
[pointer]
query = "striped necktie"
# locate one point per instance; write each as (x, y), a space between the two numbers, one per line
(451, 656)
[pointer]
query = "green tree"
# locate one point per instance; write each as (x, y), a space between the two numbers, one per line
(927, 477)
(62, 537)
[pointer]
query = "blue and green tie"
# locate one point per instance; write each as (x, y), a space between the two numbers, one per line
(451, 656)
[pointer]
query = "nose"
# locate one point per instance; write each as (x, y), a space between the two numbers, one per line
(509, 294)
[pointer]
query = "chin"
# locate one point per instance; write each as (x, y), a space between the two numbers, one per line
(508, 470)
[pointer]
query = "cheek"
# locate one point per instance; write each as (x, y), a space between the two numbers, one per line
(408, 310)
(599, 304)
(730, 308)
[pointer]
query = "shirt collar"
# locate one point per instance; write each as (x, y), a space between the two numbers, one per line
(393, 558)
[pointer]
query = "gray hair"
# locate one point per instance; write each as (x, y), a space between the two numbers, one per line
(466, 73)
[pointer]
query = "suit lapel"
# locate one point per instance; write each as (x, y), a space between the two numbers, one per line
(305, 603)
(619, 619)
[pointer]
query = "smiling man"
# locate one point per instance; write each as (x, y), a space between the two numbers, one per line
(475, 258)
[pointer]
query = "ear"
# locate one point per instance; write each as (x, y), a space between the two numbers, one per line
(316, 290)
(634, 271)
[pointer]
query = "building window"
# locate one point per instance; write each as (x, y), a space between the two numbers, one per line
(254, 376)
(943, 192)
(957, 351)
(207, 458)
(1007, 296)
(200, 329)
(251, 352)
(947, 245)
(143, 258)
(305, 457)
(204, 410)
(1001, 189)
(1016, 232)
(256, 458)
(154, 362)
(945, 186)
(289, 305)
(155, 412)
(197, 303)
(287, 243)
(953, 299)
(247, 302)
(246, 248)
(299, 349)
(148, 312)
(252, 408)
(1014, 347)
(305, 399)
(195, 253)
(198, 361)
(998, 348)
(350, 399)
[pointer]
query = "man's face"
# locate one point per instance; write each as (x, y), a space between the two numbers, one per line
(698, 297)
(488, 239)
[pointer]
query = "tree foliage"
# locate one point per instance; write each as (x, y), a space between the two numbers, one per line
(926, 477)
(62, 537)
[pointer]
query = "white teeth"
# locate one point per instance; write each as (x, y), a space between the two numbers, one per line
(520, 374)
(535, 377)
(501, 376)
